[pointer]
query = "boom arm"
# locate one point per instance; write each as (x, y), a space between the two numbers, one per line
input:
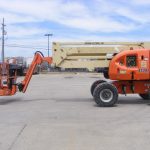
(38, 59)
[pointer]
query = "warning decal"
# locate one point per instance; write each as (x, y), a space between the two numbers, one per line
(143, 64)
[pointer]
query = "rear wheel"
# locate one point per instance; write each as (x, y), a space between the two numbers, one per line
(105, 95)
(95, 84)
(145, 96)
(106, 75)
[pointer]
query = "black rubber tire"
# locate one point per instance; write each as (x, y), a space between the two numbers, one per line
(93, 86)
(145, 96)
(100, 88)
(106, 75)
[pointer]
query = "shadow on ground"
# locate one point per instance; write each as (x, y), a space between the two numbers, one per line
(5, 101)
(130, 101)
(133, 101)
(73, 99)
(19, 100)
(121, 101)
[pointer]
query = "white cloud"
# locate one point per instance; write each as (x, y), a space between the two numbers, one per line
(128, 9)
(24, 32)
(72, 14)
(141, 2)
(94, 18)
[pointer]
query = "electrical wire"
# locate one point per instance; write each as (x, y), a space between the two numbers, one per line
(24, 46)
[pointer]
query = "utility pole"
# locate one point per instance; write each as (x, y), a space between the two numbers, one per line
(48, 35)
(3, 41)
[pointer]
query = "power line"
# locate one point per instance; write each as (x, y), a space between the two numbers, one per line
(20, 46)
(24, 46)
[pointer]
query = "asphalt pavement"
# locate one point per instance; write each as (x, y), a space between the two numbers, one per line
(57, 112)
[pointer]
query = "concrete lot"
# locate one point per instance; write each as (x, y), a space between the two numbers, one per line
(58, 113)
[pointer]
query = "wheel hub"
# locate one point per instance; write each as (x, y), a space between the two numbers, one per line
(106, 95)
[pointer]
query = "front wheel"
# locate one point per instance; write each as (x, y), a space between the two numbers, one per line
(145, 96)
(105, 95)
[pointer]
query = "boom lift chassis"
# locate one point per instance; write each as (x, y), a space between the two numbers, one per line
(129, 72)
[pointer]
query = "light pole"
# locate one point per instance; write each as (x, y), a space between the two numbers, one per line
(48, 35)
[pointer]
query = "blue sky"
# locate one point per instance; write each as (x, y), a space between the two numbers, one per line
(72, 20)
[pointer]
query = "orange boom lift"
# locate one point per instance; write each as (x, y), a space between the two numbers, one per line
(129, 72)
(8, 75)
